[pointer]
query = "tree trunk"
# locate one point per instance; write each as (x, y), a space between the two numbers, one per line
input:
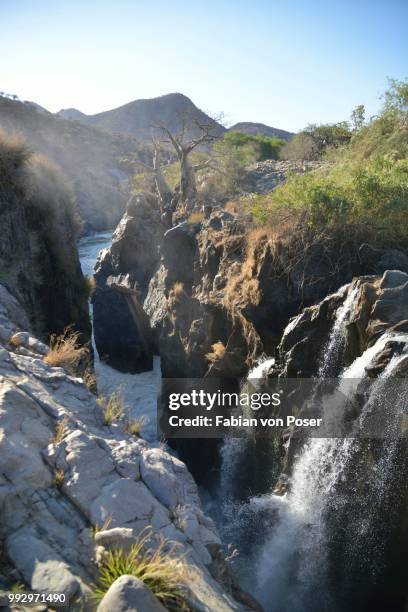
(188, 189)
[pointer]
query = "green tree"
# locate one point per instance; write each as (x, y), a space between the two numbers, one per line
(357, 117)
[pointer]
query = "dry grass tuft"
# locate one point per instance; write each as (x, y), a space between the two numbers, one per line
(65, 351)
(233, 207)
(163, 570)
(133, 427)
(112, 407)
(59, 478)
(195, 217)
(97, 528)
(89, 379)
(61, 430)
(177, 292)
(219, 351)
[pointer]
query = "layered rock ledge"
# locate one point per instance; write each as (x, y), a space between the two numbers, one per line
(66, 499)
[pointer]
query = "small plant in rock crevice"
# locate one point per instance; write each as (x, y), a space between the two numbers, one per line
(112, 407)
(61, 430)
(133, 427)
(97, 528)
(65, 351)
(59, 478)
(218, 352)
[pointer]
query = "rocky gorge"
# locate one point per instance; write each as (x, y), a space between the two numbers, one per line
(213, 312)
(193, 287)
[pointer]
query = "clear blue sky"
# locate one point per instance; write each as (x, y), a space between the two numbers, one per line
(284, 63)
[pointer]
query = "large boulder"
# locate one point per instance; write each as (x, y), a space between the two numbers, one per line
(129, 594)
(122, 329)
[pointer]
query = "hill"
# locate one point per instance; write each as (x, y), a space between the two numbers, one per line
(138, 118)
(72, 114)
(248, 127)
(91, 159)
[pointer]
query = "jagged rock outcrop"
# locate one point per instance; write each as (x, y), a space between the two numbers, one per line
(203, 335)
(56, 487)
(379, 304)
(122, 329)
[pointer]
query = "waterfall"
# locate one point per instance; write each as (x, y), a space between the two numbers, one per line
(313, 547)
(332, 350)
(294, 568)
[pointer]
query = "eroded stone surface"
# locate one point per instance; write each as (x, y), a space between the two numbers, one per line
(106, 479)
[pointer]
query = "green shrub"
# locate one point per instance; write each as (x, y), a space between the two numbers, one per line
(263, 147)
(363, 191)
(163, 570)
(315, 140)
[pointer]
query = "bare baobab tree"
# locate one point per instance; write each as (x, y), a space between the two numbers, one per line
(193, 134)
(155, 170)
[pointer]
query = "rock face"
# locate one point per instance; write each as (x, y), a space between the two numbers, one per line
(379, 304)
(39, 261)
(54, 488)
(264, 176)
(202, 335)
(122, 329)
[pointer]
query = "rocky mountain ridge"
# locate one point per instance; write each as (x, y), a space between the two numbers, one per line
(254, 129)
(140, 118)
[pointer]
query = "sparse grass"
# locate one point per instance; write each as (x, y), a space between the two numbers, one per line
(163, 570)
(89, 379)
(59, 478)
(61, 430)
(133, 427)
(177, 292)
(17, 587)
(97, 528)
(233, 207)
(65, 351)
(195, 217)
(218, 352)
(112, 407)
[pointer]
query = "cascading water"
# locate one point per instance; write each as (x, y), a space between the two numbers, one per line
(332, 350)
(310, 548)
